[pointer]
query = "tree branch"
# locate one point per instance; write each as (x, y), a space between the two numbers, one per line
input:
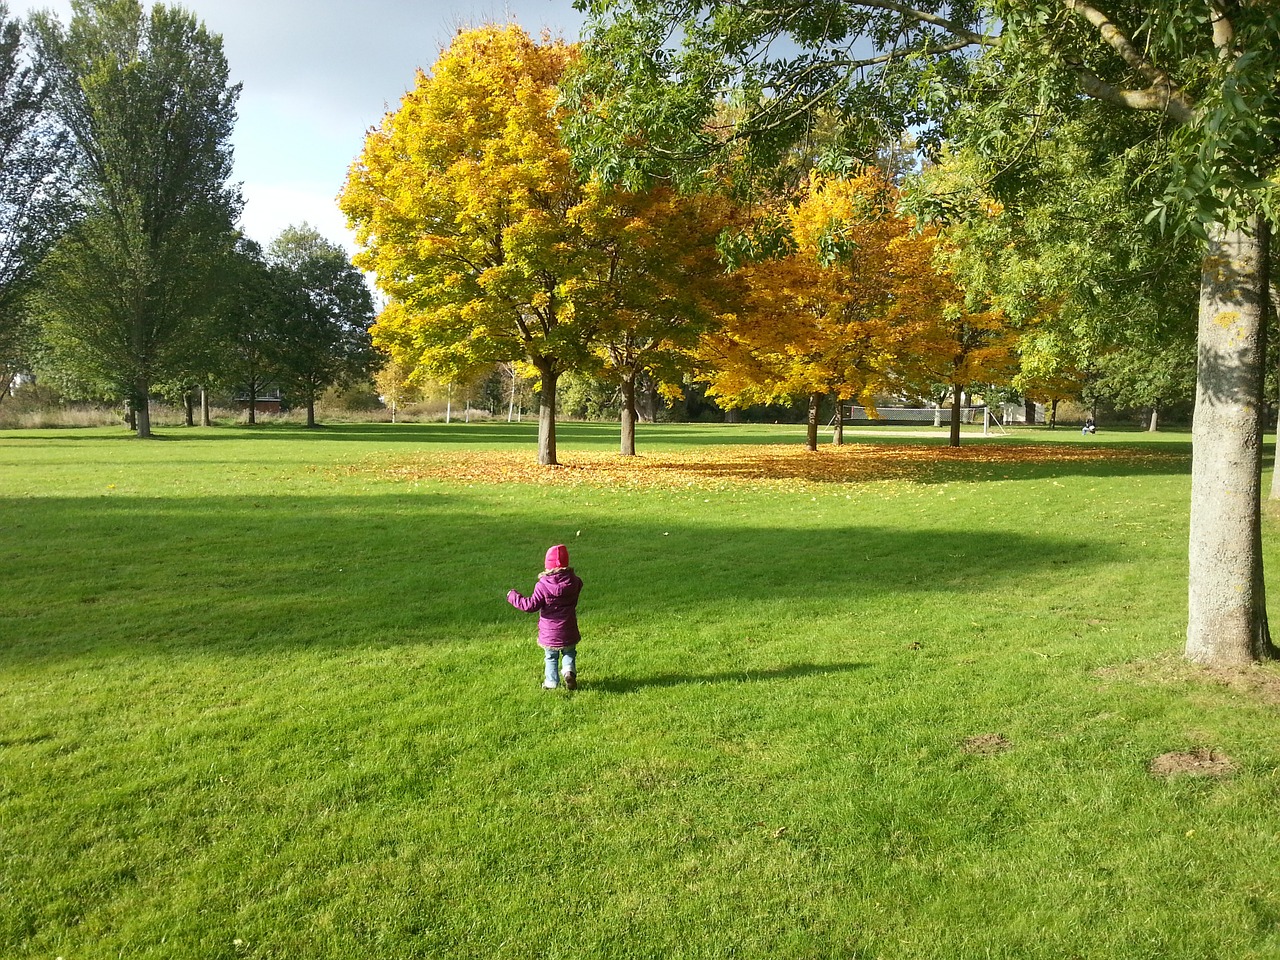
(1162, 99)
(1163, 95)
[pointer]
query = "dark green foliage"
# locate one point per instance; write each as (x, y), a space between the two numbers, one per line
(128, 292)
(32, 191)
(319, 334)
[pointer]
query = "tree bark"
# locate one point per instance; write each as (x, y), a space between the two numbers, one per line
(547, 414)
(628, 415)
(837, 436)
(1155, 420)
(311, 410)
(811, 434)
(253, 402)
(1029, 412)
(205, 419)
(142, 409)
(956, 390)
(1227, 614)
(190, 403)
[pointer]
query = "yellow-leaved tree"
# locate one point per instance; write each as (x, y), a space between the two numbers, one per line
(840, 313)
(662, 287)
(467, 210)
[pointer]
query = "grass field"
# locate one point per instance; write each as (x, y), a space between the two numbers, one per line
(262, 697)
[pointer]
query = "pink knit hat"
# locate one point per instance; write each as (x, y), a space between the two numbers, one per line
(557, 556)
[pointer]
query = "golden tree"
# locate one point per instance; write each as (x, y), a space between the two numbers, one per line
(467, 210)
(840, 313)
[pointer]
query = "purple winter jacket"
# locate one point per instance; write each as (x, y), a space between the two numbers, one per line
(555, 597)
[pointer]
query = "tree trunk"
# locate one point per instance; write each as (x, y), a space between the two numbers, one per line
(1227, 614)
(1155, 420)
(628, 415)
(253, 402)
(811, 434)
(956, 390)
(547, 415)
(1053, 415)
(142, 410)
(837, 435)
(205, 419)
(1029, 412)
(190, 403)
(311, 410)
(647, 401)
(733, 415)
(1273, 302)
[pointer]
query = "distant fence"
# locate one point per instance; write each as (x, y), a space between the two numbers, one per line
(932, 415)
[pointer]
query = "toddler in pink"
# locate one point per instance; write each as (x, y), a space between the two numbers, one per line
(555, 597)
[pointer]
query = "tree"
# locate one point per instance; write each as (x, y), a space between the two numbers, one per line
(320, 332)
(147, 100)
(468, 212)
(1149, 376)
(840, 312)
(1206, 75)
(32, 190)
(661, 286)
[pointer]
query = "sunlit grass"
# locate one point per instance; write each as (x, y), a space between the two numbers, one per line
(264, 698)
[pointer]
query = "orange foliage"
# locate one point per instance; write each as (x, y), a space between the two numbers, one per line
(840, 314)
(778, 467)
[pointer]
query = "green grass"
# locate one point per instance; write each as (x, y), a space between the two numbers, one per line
(254, 703)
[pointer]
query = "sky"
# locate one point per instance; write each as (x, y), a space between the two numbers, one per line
(316, 75)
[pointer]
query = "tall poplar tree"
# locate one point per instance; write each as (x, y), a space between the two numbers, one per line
(32, 212)
(147, 99)
(1207, 72)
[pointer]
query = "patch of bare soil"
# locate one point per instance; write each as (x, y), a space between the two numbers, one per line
(1258, 681)
(986, 744)
(1198, 763)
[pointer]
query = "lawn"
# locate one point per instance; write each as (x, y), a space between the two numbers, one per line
(262, 697)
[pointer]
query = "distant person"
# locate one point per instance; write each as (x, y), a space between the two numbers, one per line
(555, 597)
(1089, 426)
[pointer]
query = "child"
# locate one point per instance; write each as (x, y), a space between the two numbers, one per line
(555, 597)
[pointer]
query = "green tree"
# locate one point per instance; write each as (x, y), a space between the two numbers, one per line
(32, 190)
(147, 100)
(319, 336)
(1203, 75)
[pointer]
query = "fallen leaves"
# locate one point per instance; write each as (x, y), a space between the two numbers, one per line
(777, 466)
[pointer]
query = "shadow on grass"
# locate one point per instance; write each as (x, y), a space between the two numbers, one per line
(789, 672)
(247, 576)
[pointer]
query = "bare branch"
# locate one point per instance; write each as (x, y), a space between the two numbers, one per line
(920, 16)
(1162, 99)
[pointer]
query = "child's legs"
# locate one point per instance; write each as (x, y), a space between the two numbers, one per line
(553, 666)
(570, 659)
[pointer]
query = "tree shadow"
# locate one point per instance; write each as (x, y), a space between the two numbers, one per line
(119, 575)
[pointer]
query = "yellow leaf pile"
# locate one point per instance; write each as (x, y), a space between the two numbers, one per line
(787, 467)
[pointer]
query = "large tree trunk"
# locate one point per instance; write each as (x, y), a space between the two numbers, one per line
(311, 410)
(1227, 614)
(956, 393)
(811, 434)
(547, 414)
(1154, 425)
(628, 415)
(253, 402)
(1029, 412)
(837, 435)
(1053, 415)
(205, 419)
(190, 403)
